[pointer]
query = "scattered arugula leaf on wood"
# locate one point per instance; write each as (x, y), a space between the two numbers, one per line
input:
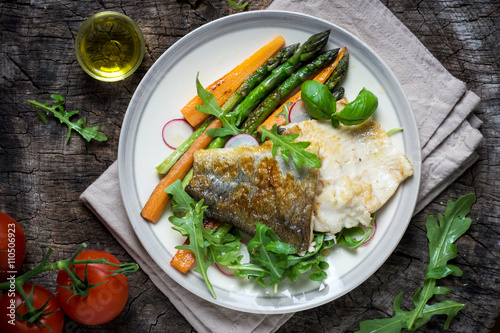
(295, 148)
(58, 111)
(235, 5)
(442, 234)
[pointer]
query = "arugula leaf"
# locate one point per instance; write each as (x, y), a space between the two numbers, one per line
(211, 107)
(441, 238)
(356, 112)
(192, 224)
(181, 201)
(273, 261)
(319, 101)
(285, 112)
(58, 111)
(350, 237)
(394, 130)
(235, 5)
(224, 246)
(265, 250)
(208, 246)
(296, 149)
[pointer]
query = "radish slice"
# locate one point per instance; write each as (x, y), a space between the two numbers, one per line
(372, 233)
(224, 270)
(298, 112)
(246, 259)
(240, 140)
(175, 132)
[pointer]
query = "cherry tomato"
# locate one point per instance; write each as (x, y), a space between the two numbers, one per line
(10, 300)
(103, 302)
(12, 247)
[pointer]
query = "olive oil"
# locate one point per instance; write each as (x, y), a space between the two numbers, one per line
(110, 46)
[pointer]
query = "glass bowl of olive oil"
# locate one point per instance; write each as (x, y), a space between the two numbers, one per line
(109, 46)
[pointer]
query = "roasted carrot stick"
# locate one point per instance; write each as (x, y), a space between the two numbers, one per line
(226, 86)
(184, 259)
(159, 198)
(321, 77)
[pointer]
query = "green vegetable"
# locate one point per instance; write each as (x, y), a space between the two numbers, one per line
(338, 93)
(307, 51)
(296, 149)
(273, 261)
(267, 251)
(442, 236)
(357, 111)
(260, 74)
(169, 162)
(248, 85)
(190, 225)
(64, 117)
(235, 5)
(338, 73)
(208, 246)
(210, 106)
(319, 102)
(279, 95)
(354, 237)
(394, 130)
(285, 112)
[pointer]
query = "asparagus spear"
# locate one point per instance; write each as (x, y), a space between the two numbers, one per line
(278, 96)
(338, 73)
(250, 83)
(338, 93)
(307, 51)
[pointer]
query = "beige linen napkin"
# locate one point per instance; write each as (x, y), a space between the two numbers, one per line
(447, 128)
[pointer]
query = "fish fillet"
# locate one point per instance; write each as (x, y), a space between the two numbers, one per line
(246, 184)
(361, 169)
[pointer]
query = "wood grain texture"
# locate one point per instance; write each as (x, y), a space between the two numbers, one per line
(42, 176)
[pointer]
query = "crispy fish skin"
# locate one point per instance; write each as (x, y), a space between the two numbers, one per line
(246, 184)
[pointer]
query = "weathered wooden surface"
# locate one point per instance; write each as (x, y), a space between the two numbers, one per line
(41, 177)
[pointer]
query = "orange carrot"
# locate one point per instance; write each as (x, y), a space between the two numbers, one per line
(225, 86)
(184, 259)
(321, 77)
(159, 198)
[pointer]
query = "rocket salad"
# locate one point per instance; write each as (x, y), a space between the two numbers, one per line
(271, 261)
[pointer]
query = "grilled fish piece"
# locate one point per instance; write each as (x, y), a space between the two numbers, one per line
(246, 184)
(360, 171)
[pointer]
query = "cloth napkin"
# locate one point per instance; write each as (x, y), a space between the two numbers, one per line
(443, 110)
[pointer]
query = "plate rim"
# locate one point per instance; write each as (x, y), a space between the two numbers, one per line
(125, 173)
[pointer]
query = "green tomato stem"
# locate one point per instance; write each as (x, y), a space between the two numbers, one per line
(30, 308)
(125, 268)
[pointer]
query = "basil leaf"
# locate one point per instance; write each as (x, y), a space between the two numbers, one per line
(319, 101)
(357, 111)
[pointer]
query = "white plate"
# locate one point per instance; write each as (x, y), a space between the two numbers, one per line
(213, 50)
